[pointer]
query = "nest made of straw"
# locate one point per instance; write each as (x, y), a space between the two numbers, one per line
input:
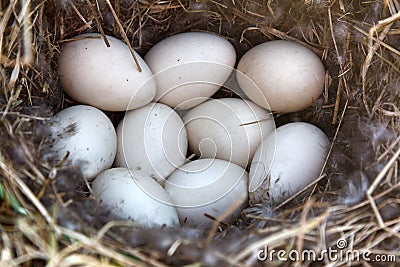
(47, 216)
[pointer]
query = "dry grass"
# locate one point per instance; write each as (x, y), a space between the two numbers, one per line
(46, 221)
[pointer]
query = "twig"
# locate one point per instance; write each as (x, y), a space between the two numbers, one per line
(96, 18)
(375, 184)
(372, 48)
(124, 35)
(222, 217)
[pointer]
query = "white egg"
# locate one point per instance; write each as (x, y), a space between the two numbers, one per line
(284, 76)
(287, 161)
(135, 196)
(227, 128)
(104, 77)
(152, 139)
(207, 186)
(87, 136)
(190, 67)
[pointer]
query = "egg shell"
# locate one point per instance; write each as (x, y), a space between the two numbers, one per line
(227, 128)
(190, 67)
(287, 76)
(152, 139)
(104, 77)
(287, 161)
(89, 137)
(207, 186)
(132, 195)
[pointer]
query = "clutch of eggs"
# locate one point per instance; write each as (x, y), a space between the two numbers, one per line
(152, 139)
(104, 77)
(85, 136)
(190, 67)
(287, 160)
(208, 187)
(227, 128)
(281, 75)
(151, 143)
(133, 195)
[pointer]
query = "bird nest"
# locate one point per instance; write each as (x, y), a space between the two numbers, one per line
(349, 215)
